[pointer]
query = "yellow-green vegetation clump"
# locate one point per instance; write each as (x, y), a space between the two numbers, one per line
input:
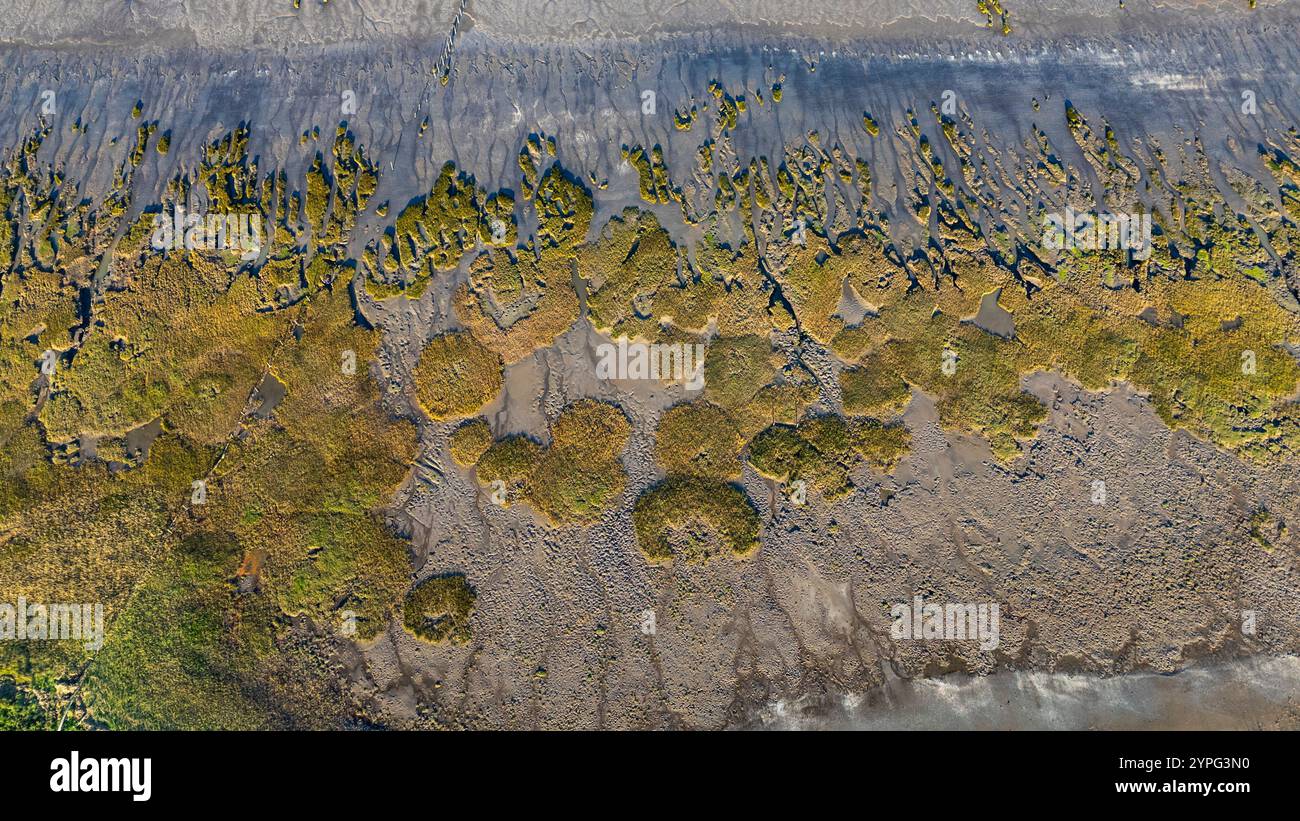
(438, 609)
(994, 15)
(181, 339)
(915, 333)
(873, 388)
(517, 303)
(1266, 530)
(732, 290)
(1189, 341)
(744, 377)
(510, 461)
(729, 108)
(537, 152)
(194, 591)
(813, 277)
(641, 285)
(630, 269)
(184, 342)
(288, 526)
(433, 232)
(521, 297)
(696, 514)
(698, 439)
(695, 519)
(564, 211)
(142, 135)
(581, 474)
(984, 392)
(1207, 351)
(824, 450)
(652, 172)
(328, 426)
(442, 225)
(574, 478)
(51, 244)
(468, 442)
(736, 368)
(239, 477)
(456, 375)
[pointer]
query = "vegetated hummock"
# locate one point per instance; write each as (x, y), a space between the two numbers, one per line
(469, 441)
(694, 519)
(824, 450)
(699, 439)
(438, 609)
(575, 477)
(456, 376)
